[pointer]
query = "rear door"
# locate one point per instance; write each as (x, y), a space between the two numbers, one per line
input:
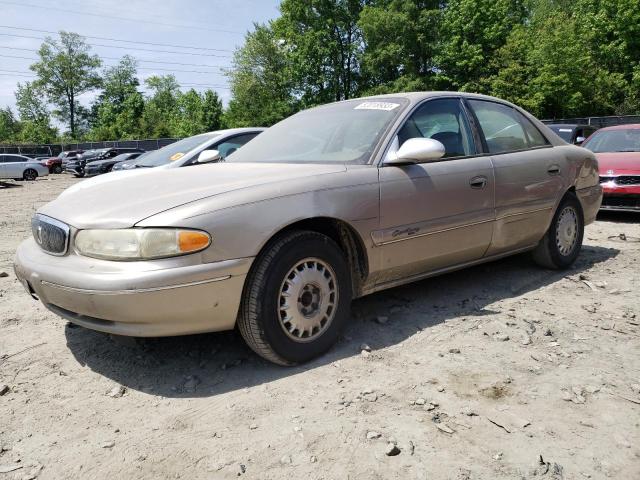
(14, 166)
(437, 214)
(527, 174)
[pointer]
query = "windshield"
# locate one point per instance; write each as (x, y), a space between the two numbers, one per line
(175, 151)
(563, 132)
(345, 132)
(623, 140)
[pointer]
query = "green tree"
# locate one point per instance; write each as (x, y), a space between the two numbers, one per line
(9, 126)
(35, 118)
(323, 44)
(160, 108)
(545, 67)
(400, 44)
(118, 108)
(65, 71)
(471, 32)
(261, 81)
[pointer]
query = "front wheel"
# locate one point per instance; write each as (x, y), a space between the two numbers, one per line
(296, 298)
(57, 169)
(30, 174)
(561, 245)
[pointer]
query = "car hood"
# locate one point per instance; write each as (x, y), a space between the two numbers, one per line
(619, 163)
(122, 199)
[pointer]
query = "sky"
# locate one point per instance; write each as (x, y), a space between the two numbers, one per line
(213, 27)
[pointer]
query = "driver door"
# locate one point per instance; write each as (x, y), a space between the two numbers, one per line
(437, 214)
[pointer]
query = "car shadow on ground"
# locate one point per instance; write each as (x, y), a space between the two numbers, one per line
(9, 184)
(210, 364)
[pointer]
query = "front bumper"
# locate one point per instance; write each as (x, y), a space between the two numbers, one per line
(621, 197)
(140, 299)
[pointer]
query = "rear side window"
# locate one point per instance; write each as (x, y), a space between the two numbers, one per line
(536, 139)
(505, 129)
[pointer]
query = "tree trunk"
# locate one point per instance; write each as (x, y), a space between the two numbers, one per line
(72, 117)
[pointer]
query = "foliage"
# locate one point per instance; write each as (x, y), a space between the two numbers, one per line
(556, 58)
(35, 117)
(65, 71)
(261, 84)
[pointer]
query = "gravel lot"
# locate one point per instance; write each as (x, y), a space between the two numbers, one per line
(502, 371)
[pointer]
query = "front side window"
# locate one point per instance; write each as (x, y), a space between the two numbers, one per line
(441, 120)
(505, 129)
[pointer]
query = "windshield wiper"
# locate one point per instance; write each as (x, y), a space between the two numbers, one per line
(142, 166)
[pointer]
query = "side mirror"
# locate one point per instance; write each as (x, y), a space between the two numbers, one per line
(207, 156)
(418, 150)
(580, 140)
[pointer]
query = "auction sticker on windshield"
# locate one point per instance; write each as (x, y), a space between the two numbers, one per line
(386, 106)
(176, 156)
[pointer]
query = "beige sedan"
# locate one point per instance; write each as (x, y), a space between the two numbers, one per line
(333, 203)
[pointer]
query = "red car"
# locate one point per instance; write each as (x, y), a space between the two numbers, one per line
(618, 152)
(54, 164)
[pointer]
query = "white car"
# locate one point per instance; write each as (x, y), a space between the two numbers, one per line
(19, 167)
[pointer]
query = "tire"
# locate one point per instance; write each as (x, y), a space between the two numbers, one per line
(57, 169)
(30, 174)
(108, 169)
(320, 303)
(561, 245)
(78, 175)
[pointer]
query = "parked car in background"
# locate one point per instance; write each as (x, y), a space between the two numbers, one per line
(68, 155)
(77, 166)
(618, 152)
(128, 164)
(204, 148)
(53, 164)
(19, 167)
(572, 133)
(96, 167)
(333, 203)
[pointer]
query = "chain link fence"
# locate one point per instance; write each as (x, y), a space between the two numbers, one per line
(55, 148)
(599, 122)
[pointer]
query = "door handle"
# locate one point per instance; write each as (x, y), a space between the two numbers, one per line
(478, 182)
(554, 170)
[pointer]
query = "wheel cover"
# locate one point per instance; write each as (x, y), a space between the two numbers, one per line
(307, 300)
(567, 230)
(29, 175)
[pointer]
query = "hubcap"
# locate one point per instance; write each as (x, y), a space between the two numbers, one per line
(307, 300)
(567, 231)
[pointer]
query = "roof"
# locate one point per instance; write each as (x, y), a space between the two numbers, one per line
(631, 126)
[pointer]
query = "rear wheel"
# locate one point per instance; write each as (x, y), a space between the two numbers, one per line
(30, 174)
(57, 169)
(561, 245)
(296, 298)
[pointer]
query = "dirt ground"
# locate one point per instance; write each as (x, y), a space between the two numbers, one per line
(502, 371)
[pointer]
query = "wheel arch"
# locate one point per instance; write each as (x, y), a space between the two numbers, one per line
(345, 236)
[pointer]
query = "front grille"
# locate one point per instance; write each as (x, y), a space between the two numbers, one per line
(51, 234)
(622, 180)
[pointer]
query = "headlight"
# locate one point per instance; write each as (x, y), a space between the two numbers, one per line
(140, 243)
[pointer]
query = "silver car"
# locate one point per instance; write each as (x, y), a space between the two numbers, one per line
(333, 203)
(19, 167)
